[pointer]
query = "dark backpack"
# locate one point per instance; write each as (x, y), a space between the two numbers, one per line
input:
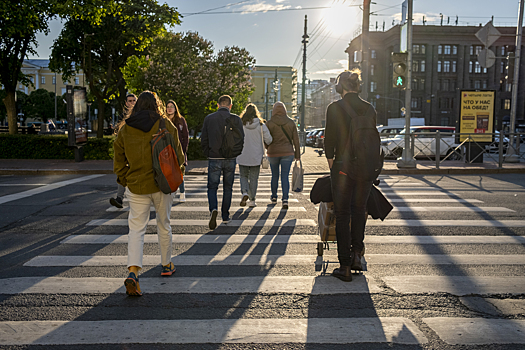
(363, 157)
(166, 167)
(232, 140)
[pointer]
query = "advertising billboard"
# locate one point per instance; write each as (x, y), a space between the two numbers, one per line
(476, 115)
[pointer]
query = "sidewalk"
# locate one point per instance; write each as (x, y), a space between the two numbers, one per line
(312, 164)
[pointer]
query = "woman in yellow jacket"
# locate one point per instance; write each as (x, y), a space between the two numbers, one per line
(134, 169)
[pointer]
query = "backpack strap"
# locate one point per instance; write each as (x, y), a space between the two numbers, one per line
(286, 134)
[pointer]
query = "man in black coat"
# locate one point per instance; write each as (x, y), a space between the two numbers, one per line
(350, 194)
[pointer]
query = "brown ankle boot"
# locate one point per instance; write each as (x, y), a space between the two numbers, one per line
(343, 273)
(356, 261)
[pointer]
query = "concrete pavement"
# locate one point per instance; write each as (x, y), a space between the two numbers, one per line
(312, 164)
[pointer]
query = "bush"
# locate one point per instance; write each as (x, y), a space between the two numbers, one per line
(195, 150)
(52, 147)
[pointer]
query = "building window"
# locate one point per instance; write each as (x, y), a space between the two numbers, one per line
(416, 103)
(440, 50)
(446, 50)
(422, 83)
(415, 48)
(444, 121)
(508, 87)
(485, 70)
(446, 66)
(373, 86)
(454, 64)
(439, 66)
(470, 67)
(32, 79)
(77, 81)
(54, 80)
(505, 103)
(439, 85)
(422, 66)
(454, 49)
(414, 84)
(372, 69)
(478, 49)
(415, 66)
(502, 68)
(477, 67)
(373, 101)
(485, 84)
(446, 84)
(471, 50)
(42, 80)
(452, 85)
(63, 91)
(477, 84)
(373, 54)
(446, 103)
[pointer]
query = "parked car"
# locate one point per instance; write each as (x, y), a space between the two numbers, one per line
(310, 137)
(494, 146)
(388, 131)
(424, 142)
(319, 139)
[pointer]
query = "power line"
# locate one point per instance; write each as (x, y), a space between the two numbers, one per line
(216, 8)
(259, 11)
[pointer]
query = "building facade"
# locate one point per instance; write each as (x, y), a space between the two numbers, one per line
(43, 78)
(274, 83)
(320, 99)
(444, 63)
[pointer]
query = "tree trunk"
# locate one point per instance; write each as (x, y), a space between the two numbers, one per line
(101, 117)
(10, 106)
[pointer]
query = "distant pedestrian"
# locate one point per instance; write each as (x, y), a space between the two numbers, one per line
(255, 131)
(350, 192)
(281, 153)
(134, 168)
(172, 111)
(118, 200)
(217, 127)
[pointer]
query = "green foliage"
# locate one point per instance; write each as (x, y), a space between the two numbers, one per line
(183, 67)
(40, 105)
(195, 150)
(52, 147)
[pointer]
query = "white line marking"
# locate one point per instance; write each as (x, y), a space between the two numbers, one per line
(455, 223)
(271, 260)
(9, 185)
(205, 199)
(214, 285)
(215, 331)
(457, 285)
(433, 200)
(274, 208)
(294, 239)
(233, 223)
(454, 209)
(34, 191)
(477, 331)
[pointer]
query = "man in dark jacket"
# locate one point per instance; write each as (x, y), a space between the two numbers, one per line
(350, 195)
(212, 135)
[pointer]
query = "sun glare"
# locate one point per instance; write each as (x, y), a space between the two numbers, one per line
(340, 19)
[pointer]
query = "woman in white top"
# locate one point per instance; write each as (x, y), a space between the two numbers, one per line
(252, 153)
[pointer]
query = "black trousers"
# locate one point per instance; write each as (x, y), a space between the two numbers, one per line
(350, 198)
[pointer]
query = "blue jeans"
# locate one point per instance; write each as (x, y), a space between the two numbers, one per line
(285, 163)
(181, 187)
(216, 167)
(249, 180)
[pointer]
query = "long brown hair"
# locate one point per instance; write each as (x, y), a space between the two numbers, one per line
(147, 101)
(177, 115)
(250, 112)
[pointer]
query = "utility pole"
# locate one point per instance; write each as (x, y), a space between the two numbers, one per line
(512, 154)
(407, 159)
(365, 55)
(303, 89)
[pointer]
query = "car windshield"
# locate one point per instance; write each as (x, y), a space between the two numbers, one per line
(401, 134)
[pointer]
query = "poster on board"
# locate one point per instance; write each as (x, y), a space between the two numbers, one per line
(476, 115)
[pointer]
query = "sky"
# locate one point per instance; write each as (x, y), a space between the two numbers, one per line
(272, 30)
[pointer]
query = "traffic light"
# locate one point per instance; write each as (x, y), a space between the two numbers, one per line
(400, 70)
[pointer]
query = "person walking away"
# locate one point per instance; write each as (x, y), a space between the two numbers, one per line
(255, 131)
(218, 127)
(172, 111)
(282, 151)
(131, 99)
(134, 169)
(350, 192)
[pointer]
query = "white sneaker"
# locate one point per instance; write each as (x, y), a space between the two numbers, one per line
(182, 197)
(252, 204)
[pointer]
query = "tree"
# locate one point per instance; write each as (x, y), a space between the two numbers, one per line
(100, 45)
(183, 67)
(20, 21)
(40, 105)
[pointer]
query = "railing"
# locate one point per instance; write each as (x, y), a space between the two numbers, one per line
(442, 146)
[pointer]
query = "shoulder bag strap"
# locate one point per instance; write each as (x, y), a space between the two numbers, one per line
(262, 139)
(286, 134)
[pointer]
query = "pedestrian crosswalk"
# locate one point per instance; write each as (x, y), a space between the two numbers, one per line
(415, 253)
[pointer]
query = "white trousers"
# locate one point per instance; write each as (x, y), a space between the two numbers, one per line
(139, 213)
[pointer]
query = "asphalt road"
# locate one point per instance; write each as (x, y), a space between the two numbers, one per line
(446, 270)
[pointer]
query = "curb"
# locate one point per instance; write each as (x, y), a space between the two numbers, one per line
(384, 172)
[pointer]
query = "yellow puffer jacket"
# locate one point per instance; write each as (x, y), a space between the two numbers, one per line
(133, 161)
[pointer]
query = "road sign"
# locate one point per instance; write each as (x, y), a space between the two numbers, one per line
(488, 34)
(486, 58)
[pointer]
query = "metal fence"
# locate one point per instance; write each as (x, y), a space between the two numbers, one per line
(442, 146)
